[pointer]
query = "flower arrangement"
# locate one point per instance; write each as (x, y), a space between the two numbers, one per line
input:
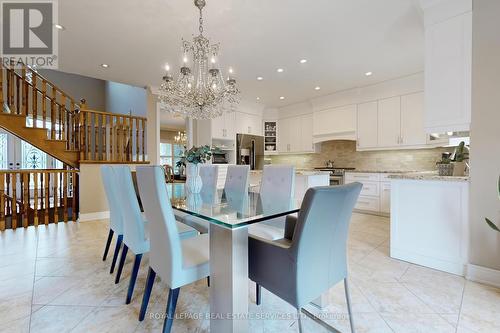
(197, 155)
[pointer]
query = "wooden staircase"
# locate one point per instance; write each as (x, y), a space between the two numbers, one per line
(38, 137)
(40, 113)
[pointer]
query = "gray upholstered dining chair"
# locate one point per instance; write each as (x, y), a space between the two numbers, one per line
(277, 185)
(311, 258)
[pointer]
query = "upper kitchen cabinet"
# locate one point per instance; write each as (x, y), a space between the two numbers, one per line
(448, 66)
(295, 134)
(223, 126)
(389, 122)
(367, 120)
(247, 123)
(335, 124)
(412, 120)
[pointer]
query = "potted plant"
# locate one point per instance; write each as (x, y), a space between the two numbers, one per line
(445, 167)
(488, 221)
(459, 157)
(191, 159)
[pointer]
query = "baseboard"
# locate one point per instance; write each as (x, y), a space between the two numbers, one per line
(483, 275)
(93, 216)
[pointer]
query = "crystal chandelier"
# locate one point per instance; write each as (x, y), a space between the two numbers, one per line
(181, 137)
(199, 91)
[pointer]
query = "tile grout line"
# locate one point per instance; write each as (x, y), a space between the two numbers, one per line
(461, 305)
(34, 278)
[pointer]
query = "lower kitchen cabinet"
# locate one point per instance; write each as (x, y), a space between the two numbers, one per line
(375, 195)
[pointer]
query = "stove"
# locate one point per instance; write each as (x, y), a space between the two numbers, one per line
(336, 174)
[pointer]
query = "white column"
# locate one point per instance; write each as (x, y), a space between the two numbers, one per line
(153, 129)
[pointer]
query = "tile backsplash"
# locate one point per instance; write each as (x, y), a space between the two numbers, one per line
(344, 154)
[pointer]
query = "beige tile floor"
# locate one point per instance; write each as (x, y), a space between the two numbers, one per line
(52, 279)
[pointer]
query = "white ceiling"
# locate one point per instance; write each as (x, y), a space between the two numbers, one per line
(341, 39)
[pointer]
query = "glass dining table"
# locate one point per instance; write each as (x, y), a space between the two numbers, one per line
(229, 214)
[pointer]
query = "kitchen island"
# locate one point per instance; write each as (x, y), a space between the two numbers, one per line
(429, 220)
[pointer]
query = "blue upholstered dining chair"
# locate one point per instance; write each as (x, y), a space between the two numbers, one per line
(311, 258)
(177, 261)
(277, 185)
(115, 219)
(209, 174)
(237, 178)
(135, 228)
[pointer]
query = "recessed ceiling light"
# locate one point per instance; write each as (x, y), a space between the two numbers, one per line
(58, 26)
(317, 88)
(368, 73)
(280, 70)
(282, 97)
(104, 65)
(258, 98)
(303, 61)
(260, 78)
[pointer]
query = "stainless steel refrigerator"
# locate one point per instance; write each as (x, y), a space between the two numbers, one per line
(250, 151)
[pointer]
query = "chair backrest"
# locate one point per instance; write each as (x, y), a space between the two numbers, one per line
(209, 174)
(166, 253)
(278, 182)
(110, 188)
(133, 222)
(320, 238)
(237, 178)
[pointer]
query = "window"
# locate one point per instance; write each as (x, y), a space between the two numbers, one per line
(170, 154)
(32, 158)
(3, 151)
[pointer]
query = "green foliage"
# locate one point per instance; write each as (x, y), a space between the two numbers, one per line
(460, 153)
(488, 221)
(197, 155)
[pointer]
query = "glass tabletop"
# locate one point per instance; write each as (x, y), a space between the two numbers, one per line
(229, 209)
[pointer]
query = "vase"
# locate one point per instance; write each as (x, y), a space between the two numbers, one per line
(193, 179)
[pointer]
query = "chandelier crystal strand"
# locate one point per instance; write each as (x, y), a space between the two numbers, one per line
(200, 92)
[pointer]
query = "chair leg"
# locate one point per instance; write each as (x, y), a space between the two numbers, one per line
(108, 243)
(121, 263)
(258, 294)
(133, 277)
(348, 299)
(115, 255)
(208, 281)
(173, 295)
(147, 293)
(299, 319)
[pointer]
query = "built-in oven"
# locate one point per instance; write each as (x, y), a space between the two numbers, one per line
(336, 175)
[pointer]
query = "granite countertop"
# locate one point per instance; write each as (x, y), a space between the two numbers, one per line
(379, 171)
(429, 175)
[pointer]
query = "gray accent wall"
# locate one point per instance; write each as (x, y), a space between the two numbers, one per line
(125, 99)
(78, 87)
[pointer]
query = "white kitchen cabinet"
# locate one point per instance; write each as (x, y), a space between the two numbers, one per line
(412, 120)
(306, 133)
(367, 119)
(295, 134)
(223, 126)
(248, 123)
(375, 196)
(448, 68)
(335, 123)
(385, 197)
(389, 122)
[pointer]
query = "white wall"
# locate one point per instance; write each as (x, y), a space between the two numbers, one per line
(78, 87)
(125, 99)
(485, 134)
